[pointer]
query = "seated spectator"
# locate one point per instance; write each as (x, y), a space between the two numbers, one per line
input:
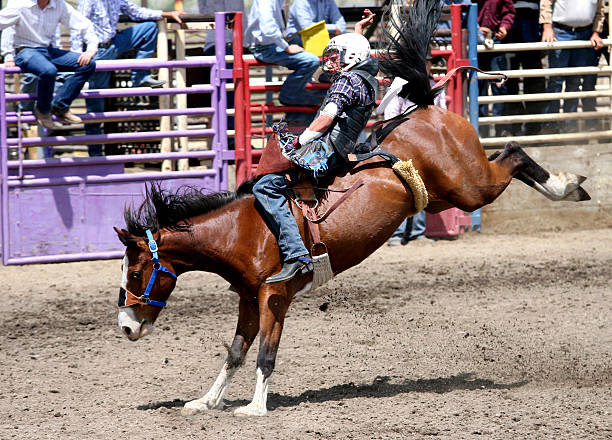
(412, 228)
(305, 13)
(569, 20)
(264, 35)
(526, 30)
(495, 18)
(142, 37)
(28, 45)
(29, 85)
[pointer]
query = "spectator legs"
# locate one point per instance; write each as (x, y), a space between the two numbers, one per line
(418, 226)
(99, 80)
(496, 63)
(303, 64)
(526, 60)
(566, 58)
(68, 62)
(38, 62)
(588, 84)
(143, 38)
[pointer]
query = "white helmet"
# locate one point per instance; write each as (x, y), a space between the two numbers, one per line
(343, 52)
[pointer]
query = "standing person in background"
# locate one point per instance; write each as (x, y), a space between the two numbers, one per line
(305, 13)
(28, 46)
(143, 37)
(264, 35)
(495, 18)
(570, 20)
(526, 29)
(412, 228)
(212, 6)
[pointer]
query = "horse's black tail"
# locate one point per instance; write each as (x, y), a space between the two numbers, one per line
(407, 31)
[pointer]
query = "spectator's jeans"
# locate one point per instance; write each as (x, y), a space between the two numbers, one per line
(569, 58)
(270, 192)
(143, 37)
(494, 62)
(411, 227)
(45, 63)
(303, 64)
(526, 29)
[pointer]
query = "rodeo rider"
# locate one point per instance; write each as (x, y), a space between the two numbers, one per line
(341, 118)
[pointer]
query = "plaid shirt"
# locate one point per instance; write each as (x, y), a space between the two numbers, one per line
(349, 90)
(104, 14)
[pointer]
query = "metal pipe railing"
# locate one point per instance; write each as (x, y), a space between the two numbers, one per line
(533, 97)
(111, 138)
(21, 173)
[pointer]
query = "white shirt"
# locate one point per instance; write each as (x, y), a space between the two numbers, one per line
(30, 26)
(399, 105)
(265, 24)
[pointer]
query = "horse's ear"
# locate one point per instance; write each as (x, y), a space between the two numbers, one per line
(125, 237)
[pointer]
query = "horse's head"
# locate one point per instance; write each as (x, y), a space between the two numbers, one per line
(146, 284)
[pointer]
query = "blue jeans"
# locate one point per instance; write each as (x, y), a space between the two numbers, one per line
(270, 192)
(143, 37)
(303, 64)
(569, 58)
(45, 63)
(411, 227)
(494, 62)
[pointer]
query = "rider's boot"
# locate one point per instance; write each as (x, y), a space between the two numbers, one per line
(290, 269)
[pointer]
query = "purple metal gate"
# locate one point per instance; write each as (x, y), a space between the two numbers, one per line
(64, 209)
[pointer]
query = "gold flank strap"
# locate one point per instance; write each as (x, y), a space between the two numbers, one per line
(410, 174)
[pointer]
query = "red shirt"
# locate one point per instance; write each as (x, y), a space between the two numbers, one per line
(495, 14)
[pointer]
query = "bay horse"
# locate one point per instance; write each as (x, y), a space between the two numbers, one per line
(223, 233)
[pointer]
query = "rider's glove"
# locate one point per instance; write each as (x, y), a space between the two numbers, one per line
(294, 143)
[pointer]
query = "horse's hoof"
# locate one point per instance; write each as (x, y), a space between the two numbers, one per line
(578, 195)
(250, 411)
(195, 407)
(187, 412)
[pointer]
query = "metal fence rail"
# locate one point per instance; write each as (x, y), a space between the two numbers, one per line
(601, 71)
(63, 209)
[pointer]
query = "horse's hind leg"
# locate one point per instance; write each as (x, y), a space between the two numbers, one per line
(561, 186)
(246, 331)
(273, 305)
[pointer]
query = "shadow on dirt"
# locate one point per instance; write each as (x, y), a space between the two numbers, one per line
(165, 404)
(380, 387)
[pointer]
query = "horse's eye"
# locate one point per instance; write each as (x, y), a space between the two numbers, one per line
(136, 275)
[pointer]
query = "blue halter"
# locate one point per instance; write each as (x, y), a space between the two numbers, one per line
(157, 267)
(127, 298)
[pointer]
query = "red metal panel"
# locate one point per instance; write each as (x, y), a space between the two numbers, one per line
(449, 223)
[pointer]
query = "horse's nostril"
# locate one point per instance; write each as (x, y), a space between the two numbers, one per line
(126, 330)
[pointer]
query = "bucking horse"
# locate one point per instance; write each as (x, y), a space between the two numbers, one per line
(176, 232)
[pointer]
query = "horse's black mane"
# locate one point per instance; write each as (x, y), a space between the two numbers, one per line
(406, 38)
(170, 210)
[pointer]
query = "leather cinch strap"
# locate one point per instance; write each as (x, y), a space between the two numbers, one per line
(343, 197)
(311, 216)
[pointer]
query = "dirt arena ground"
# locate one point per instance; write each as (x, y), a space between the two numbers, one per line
(488, 336)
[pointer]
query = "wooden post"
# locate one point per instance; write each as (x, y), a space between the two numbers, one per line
(181, 100)
(165, 124)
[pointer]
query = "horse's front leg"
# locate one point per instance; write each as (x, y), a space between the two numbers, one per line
(273, 305)
(248, 326)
